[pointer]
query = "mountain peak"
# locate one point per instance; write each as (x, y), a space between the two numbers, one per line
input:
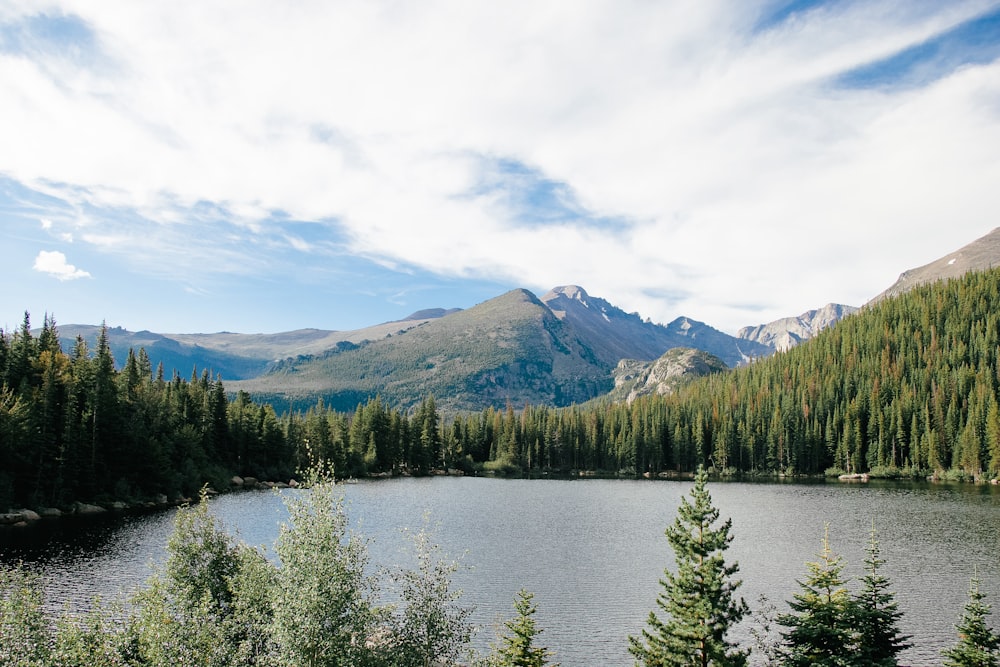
(788, 332)
(574, 292)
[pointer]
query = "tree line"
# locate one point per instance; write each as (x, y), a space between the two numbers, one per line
(220, 603)
(75, 426)
(910, 386)
(907, 387)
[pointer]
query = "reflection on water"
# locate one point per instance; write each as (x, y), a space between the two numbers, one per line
(591, 551)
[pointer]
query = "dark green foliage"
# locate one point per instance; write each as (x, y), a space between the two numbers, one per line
(820, 631)
(829, 626)
(517, 645)
(877, 614)
(978, 645)
(698, 599)
(72, 427)
(906, 387)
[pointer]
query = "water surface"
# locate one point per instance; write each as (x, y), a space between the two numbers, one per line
(592, 551)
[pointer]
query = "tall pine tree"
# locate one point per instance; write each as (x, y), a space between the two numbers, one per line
(820, 631)
(877, 624)
(978, 645)
(518, 647)
(698, 600)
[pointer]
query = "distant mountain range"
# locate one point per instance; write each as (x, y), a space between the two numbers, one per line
(790, 331)
(564, 347)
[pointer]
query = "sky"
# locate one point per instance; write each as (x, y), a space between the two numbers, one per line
(201, 166)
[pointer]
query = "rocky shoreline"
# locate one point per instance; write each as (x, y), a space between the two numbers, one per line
(24, 517)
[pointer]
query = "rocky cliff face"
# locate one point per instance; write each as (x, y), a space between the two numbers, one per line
(609, 331)
(663, 376)
(788, 332)
(980, 255)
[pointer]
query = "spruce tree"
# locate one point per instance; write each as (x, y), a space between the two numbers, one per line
(518, 644)
(877, 624)
(820, 631)
(978, 645)
(698, 600)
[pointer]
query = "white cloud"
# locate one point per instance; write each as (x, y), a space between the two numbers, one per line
(54, 263)
(744, 176)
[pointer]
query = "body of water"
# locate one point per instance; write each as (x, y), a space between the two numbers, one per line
(592, 551)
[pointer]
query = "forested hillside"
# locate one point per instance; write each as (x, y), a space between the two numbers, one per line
(907, 386)
(72, 427)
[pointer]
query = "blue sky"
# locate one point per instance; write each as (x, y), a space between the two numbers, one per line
(201, 166)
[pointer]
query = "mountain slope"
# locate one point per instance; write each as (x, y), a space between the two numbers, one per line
(176, 356)
(514, 348)
(234, 356)
(510, 348)
(788, 332)
(615, 335)
(980, 255)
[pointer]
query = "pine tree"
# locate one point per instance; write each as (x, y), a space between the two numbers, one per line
(978, 645)
(518, 648)
(820, 630)
(698, 599)
(879, 638)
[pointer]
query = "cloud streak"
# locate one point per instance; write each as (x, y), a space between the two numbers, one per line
(679, 158)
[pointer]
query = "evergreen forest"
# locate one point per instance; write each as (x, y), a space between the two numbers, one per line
(906, 387)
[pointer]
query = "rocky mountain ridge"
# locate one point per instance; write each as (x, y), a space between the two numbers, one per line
(565, 346)
(514, 348)
(788, 332)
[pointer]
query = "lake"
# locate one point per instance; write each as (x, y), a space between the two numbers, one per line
(592, 551)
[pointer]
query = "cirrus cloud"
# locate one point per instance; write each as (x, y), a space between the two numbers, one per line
(734, 161)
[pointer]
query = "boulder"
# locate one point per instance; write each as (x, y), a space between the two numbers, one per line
(49, 512)
(250, 482)
(237, 480)
(293, 484)
(161, 499)
(29, 516)
(118, 506)
(85, 509)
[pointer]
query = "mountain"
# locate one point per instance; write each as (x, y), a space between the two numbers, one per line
(511, 348)
(788, 332)
(515, 348)
(677, 366)
(614, 335)
(980, 255)
(234, 356)
(175, 355)
(734, 351)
